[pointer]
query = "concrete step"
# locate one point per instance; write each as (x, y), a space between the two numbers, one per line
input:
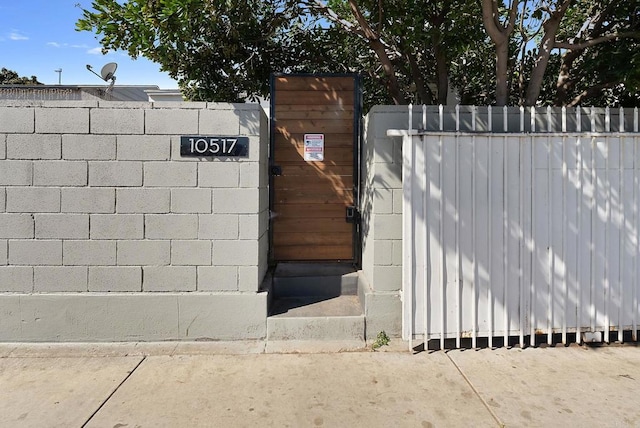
(327, 286)
(314, 279)
(316, 318)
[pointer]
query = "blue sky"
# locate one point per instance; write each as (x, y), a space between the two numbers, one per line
(38, 37)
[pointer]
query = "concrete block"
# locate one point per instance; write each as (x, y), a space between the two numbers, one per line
(384, 149)
(387, 278)
(139, 253)
(115, 173)
(171, 121)
(382, 201)
(249, 278)
(33, 199)
(258, 150)
(62, 226)
(250, 174)
(191, 201)
(398, 199)
(383, 312)
(117, 226)
(89, 317)
(3, 200)
(29, 146)
(143, 200)
(250, 121)
(3, 146)
(249, 225)
(396, 252)
(169, 278)
(218, 226)
(16, 173)
(59, 173)
(219, 174)
(383, 253)
(16, 226)
(17, 120)
(387, 176)
(88, 200)
(191, 253)
(60, 279)
(119, 317)
(232, 316)
(34, 253)
(4, 253)
(170, 174)
(16, 279)
(171, 226)
(219, 122)
(62, 120)
(384, 120)
(217, 278)
(347, 328)
(117, 121)
(387, 226)
(88, 147)
(236, 201)
(115, 279)
(89, 253)
(144, 147)
(235, 253)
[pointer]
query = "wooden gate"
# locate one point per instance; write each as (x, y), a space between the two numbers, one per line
(313, 181)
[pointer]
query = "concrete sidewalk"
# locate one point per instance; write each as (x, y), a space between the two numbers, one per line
(237, 384)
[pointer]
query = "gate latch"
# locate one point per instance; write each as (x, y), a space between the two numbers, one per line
(352, 215)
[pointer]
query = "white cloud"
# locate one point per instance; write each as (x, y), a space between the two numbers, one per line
(66, 45)
(14, 35)
(95, 51)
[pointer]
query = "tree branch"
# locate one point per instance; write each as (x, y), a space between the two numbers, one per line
(513, 13)
(331, 15)
(381, 52)
(357, 13)
(490, 20)
(591, 92)
(594, 42)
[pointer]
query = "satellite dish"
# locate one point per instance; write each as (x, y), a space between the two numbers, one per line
(108, 71)
(106, 74)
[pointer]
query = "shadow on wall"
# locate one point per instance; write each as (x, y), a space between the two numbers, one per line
(528, 234)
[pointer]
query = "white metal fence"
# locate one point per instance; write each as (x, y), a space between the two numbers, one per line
(520, 234)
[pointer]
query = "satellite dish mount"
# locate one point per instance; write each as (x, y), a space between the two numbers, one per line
(106, 73)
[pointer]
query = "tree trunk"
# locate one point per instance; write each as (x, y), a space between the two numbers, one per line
(537, 74)
(544, 52)
(378, 47)
(565, 82)
(500, 35)
(389, 71)
(442, 74)
(425, 94)
(502, 78)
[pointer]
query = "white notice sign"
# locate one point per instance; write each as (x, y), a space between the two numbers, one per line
(314, 147)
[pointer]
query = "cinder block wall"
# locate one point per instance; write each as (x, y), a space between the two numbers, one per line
(107, 233)
(381, 207)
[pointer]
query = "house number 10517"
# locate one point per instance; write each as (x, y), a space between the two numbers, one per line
(201, 146)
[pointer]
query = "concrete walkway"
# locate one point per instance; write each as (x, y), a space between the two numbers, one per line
(237, 385)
